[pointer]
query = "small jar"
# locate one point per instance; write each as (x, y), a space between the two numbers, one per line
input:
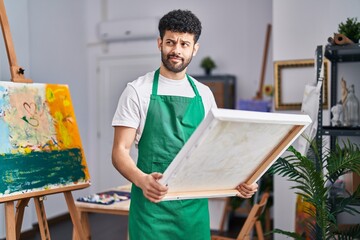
(351, 108)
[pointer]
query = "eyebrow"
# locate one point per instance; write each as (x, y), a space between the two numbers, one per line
(183, 41)
(186, 42)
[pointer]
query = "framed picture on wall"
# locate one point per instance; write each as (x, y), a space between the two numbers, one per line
(223, 88)
(290, 79)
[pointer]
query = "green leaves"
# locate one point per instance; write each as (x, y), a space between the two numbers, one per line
(312, 176)
(351, 29)
(343, 160)
(208, 63)
(289, 234)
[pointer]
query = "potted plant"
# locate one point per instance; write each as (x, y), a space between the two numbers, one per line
(208, 65)
(314, 181)
(351, 29)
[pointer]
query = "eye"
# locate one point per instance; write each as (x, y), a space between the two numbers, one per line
(185, 44)
(169, 43)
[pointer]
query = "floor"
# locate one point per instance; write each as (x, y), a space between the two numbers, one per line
(102, 226)
(110, 227)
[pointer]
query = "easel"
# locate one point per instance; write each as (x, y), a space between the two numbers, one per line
(14, 218)
(259, 93)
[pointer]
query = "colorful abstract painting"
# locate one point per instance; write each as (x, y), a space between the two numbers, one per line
(40, 145)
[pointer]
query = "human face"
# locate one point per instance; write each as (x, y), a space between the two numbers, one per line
(177, 50)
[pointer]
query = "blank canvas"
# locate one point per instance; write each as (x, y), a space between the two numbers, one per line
(230, 147)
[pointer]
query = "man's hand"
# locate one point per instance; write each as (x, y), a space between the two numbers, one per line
(151, 188)
(247, 190)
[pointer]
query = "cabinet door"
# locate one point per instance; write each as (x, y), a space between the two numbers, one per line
(223, 88)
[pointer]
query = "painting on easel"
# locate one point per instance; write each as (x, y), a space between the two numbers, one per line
(40, 145)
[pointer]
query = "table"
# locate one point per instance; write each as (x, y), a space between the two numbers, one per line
(216, 208)
(118, 208)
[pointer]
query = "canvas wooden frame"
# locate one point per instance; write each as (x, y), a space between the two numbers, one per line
(230, 147)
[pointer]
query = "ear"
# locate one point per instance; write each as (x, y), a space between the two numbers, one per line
(196, 48)
(159, 42)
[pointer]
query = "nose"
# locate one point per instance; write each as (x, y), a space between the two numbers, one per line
(176, 48)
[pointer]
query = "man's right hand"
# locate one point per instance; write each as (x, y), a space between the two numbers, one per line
(152, 189)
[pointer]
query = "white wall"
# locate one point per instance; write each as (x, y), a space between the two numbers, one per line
(54, 40)
(299, 26)
(49, 40)
(58, 55)
(58, 50)
(233, 33)
(18, 18)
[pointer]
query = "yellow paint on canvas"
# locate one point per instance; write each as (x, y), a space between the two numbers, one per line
(60, 106)
(58, 99)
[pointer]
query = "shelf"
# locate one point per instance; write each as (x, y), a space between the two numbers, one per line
(345, 53)
(336, 54)
(340, 131)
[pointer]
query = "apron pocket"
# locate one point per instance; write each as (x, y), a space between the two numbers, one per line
(159, 166)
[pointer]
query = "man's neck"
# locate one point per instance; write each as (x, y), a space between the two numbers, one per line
(172, 75)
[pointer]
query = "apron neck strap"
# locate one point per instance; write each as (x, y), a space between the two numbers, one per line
(193, 85)
(156, 83)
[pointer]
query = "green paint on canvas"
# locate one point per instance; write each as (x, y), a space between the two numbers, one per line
(25, 172)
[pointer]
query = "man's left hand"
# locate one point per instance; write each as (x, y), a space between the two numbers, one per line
(247, 190)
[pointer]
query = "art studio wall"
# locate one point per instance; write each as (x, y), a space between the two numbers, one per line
(51, 49)
(299, 26)
(222, 38)
(58, 42)
(20, 37)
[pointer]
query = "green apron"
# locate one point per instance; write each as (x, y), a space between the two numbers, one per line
(170, 121)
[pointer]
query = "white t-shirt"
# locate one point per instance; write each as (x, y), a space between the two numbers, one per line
(134, 101)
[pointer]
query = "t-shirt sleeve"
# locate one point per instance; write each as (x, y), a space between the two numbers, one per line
(128, 110)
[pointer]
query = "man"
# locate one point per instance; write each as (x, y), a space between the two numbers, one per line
(160, 111)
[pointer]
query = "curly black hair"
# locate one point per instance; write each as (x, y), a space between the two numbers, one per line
(182, 21)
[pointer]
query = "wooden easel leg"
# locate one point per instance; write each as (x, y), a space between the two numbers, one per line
(74, 215)
(43, 224)
(259, 231)
(84, 220)
(20, 209)
(10, 220)
(267, 220)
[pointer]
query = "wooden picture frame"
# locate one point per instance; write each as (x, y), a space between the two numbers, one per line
(295, 74)
(230, 147)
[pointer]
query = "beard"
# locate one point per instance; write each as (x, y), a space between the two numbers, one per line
(176, 68)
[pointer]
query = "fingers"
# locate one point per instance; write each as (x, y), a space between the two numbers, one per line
(247, 190)
(152, 189)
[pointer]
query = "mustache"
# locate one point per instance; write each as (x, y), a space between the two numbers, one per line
(174, 55)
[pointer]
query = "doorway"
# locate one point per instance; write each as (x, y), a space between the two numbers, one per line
(113, 75)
